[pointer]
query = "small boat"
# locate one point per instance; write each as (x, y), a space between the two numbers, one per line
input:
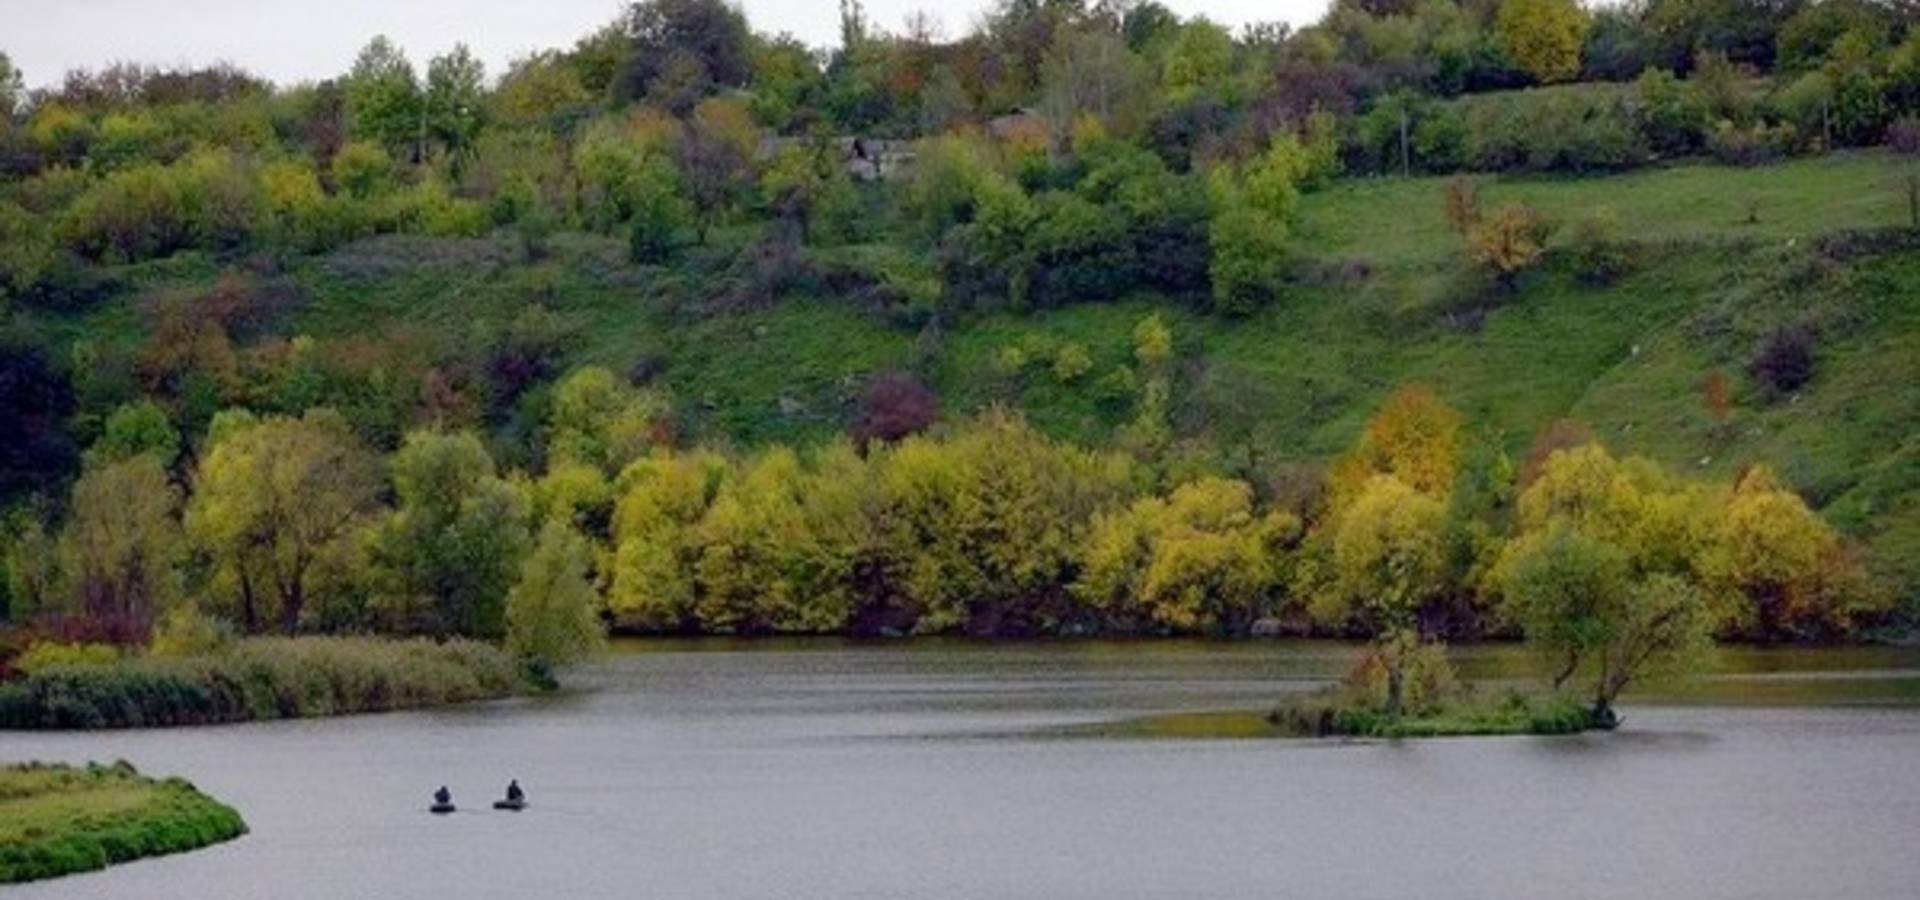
(512, 805)
(440, 809)
(442, 802)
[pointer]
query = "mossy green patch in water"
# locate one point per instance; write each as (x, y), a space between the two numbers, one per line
(56, 820)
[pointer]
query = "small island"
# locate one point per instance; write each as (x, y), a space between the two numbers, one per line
(58, 819)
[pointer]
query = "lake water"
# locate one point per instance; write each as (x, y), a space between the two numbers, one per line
(829, 770)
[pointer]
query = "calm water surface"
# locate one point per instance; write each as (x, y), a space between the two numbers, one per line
(824, 770)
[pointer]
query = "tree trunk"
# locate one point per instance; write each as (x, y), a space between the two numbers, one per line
(1396, 689)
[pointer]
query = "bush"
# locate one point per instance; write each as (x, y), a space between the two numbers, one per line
(45, 655)
(1599, 254)
(258, 678)
(1903, 136)
(1750, 145)
(1784, 361)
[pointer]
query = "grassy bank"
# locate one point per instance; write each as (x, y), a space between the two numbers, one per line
(56, 820)
(259, 678)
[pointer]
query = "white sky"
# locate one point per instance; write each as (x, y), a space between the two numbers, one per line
(296, 40)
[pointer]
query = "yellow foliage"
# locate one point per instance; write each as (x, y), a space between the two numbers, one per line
(1775, 565)
(1543, 36)
(1414, 437)
(1508, 242)
(1201, 557)
(1388, 556)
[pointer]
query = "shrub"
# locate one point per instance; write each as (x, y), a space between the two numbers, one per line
(894, 405)
(1599, 254)
(1903, 136)
(1071, 362)
(1750, 145)
(45, 655)
(1507, 243)
(1784, 361)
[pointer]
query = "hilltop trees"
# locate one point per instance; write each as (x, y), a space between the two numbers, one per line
(681, 50)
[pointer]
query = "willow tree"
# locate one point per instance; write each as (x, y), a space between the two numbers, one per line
(1601, 574)
(120, 551)
(553, 612)
(272, 500)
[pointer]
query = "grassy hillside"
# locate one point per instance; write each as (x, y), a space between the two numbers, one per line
(1722, 258)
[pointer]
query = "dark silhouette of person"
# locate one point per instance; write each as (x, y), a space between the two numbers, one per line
(514, 794)
(443, 796)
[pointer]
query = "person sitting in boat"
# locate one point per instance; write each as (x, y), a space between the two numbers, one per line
(443, 797)
(514, 794)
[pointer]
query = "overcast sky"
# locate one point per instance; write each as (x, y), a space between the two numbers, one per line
(296, 40)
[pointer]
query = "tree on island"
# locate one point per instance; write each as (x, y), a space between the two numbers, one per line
(1600, 576)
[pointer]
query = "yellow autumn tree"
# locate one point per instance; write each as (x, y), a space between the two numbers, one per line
(1388, 558)
(1414, 437)
(1201, 557)
(662, 499)
(1543, 36)
(274, 500)
(1776, 568)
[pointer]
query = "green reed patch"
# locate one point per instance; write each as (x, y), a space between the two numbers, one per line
(260, 678)
(56, 819)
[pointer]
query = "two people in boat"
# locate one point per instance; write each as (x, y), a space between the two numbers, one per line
(516, 798)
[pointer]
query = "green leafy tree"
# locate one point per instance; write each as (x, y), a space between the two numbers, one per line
(136, 428)
(384, 102)
(1587, 611)
(447, 556)
(121, 550)
(274, 501)
(12, 90)
(1200, 61)
(455, 99)
(553, 612)
(601, 421)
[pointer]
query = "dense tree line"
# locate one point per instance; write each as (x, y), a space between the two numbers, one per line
(984, 526)
(1061, 153)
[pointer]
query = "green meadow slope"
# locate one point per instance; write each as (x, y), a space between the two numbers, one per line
(1722, 258)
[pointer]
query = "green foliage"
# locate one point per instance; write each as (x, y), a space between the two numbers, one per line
(384, 102)
(446, 557)
(600, 421)
(276, 509)
(133, 429)
(64, 819)
(42, 655)
(259, 678)
(553, 613)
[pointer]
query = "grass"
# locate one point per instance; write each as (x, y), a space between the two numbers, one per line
(57, 820)
(1400, 223)
(259, 678)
